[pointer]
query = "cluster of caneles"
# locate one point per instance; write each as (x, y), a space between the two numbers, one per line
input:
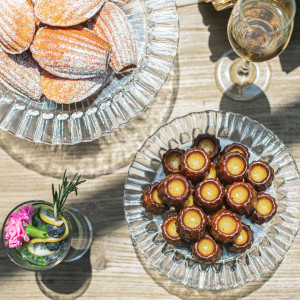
(209, 197)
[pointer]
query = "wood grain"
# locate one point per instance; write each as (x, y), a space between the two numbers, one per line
(114, 269)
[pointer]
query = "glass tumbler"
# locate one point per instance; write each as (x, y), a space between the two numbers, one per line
(48, 245)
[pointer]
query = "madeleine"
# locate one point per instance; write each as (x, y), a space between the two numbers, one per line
(66, 13)
(20, 73)
(72, 53)
(112, 25)
(17, 25)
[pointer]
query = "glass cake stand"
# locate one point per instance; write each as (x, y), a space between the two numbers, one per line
(156, 31)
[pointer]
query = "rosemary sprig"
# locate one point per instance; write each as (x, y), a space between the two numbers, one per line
(64, 190)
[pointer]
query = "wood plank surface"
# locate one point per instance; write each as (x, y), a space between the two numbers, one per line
(113, 268)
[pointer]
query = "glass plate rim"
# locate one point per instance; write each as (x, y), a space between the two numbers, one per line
(237, 258)
(115, 115)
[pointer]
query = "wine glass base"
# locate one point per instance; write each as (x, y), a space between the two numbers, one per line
(241, 88)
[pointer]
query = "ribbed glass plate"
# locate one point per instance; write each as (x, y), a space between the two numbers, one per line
(156, 31)
(271, 240)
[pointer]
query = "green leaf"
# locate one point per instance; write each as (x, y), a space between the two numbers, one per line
(36, 232)
(42, 226)
(38, 222)
(64, 190)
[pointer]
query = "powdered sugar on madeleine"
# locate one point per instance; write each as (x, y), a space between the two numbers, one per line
(17, 25)
(66, 91)
(66, 12)
(73, 53)
(20, 73)
(112, 24)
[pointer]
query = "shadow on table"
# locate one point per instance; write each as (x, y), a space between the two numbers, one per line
(105, 210)
(185, 292)
(260, 105)
(104, 155)
(284, 122)
(290, 57)
(67, 280)
(216, 21)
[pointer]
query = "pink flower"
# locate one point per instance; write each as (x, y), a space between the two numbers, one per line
(14, 230)
(14, 233)
(27, 213)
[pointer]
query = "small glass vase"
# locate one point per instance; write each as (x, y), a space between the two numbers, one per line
(72, 247)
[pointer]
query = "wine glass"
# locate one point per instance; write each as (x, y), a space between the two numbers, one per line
(258, 30)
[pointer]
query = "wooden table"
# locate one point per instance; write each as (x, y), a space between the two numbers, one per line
(113, 269)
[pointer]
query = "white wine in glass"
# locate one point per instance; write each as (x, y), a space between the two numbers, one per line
(257, 31)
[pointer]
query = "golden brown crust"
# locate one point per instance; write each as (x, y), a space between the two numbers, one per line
(210, 216)
(258, 218)
(113, 26)
(211, 173)
(166, 166)
(219, 233)
(222, 167)
(240, 148)
(165, 195)
(64, 90)
(206, 136)
(239, 248)
(17, 25)
(203, 258)
(190, 201)
(21, 74)
(174, 240)
(187, 233)
(67, 12)
(73, 52)
(205, 210)
(192, 174)
(203, 201)
(150, 204)
(243, 208)
(262, 185)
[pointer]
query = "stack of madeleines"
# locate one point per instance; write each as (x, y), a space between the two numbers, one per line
(63, 49)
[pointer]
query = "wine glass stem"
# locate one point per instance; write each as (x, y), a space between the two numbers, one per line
(242, 72)
(245, 67)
